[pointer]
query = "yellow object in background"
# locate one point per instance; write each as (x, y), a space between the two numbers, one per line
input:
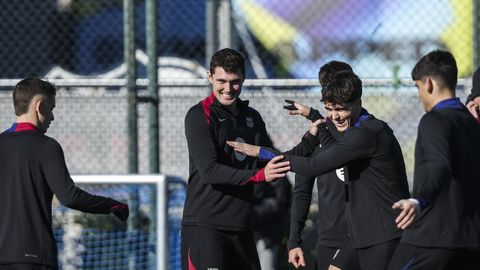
(459, 36)
(261, 21)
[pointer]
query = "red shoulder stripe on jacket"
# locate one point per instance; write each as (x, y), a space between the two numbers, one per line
(206, 103)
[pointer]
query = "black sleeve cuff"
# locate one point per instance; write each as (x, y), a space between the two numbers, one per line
(291, 244)
(314, 115)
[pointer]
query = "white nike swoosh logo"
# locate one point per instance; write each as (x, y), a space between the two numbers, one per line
(222, 119)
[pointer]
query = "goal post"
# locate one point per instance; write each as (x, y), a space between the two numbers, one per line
(149, 240)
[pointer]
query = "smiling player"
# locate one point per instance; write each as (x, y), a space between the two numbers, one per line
(376, 172)
(216, 225)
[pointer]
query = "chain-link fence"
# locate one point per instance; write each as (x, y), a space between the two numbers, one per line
(69, 39)
(86, 36)
(91, 123)
(281, 38)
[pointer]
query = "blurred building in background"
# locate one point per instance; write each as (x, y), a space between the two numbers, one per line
(292, 38)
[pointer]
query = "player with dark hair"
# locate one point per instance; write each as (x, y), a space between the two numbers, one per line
(327, 72)
(376, 175)
(32, 170)
(216, 226)
(442, 219)
(325, 75)
(331, 224)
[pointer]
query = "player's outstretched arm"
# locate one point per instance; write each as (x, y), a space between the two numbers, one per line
(355, 144)
(61, 184)
(328, 134)
(247, 149)
(296, 108)
(305, 147)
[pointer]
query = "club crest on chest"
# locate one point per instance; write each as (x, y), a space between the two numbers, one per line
(240, 156)
(249, 122)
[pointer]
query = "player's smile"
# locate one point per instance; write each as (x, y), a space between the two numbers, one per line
(340, 115)
(228, 94)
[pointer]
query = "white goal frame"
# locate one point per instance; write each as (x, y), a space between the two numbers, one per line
(162, 220)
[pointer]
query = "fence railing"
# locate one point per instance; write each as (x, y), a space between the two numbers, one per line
(91, 115)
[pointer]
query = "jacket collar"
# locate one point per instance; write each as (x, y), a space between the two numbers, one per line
(242, 105)
(22, 126)
(453, 103)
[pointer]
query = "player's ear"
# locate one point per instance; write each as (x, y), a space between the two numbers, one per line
(35, 104)
(209, 76)
(429, 85)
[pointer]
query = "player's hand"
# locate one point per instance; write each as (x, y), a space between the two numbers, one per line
(121, 211)
(474, 108)
(295, 257)
(245, 148)
(314, 126)
(407, 215)
(276, 169)
(296, 108)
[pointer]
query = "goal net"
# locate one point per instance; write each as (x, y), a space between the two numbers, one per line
(150, 239)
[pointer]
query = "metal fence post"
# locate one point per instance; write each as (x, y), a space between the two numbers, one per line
(152, 70)
(129, 55)
(211, 36)
(155, 258)
(225, 24)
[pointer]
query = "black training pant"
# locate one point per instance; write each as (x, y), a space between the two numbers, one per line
(205, 248)
(408, 257)
(376, 257)
(332, 256)
(25, 266)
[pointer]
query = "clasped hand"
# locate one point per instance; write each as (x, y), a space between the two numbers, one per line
(274, 168)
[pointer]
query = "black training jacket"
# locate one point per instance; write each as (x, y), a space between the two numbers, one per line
(376, 179)
(220, 185)
(447, 181)
(32, 170)
(331, 223)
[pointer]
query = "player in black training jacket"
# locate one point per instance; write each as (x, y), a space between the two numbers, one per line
(376, 175)
(442, 219)
(216, 225)
(32, 170)
(331, 224)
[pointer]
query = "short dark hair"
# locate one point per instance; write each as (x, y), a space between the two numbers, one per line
(440, 65)
(26, 89)
(344, 88)
(228, 59)
(326, 72)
